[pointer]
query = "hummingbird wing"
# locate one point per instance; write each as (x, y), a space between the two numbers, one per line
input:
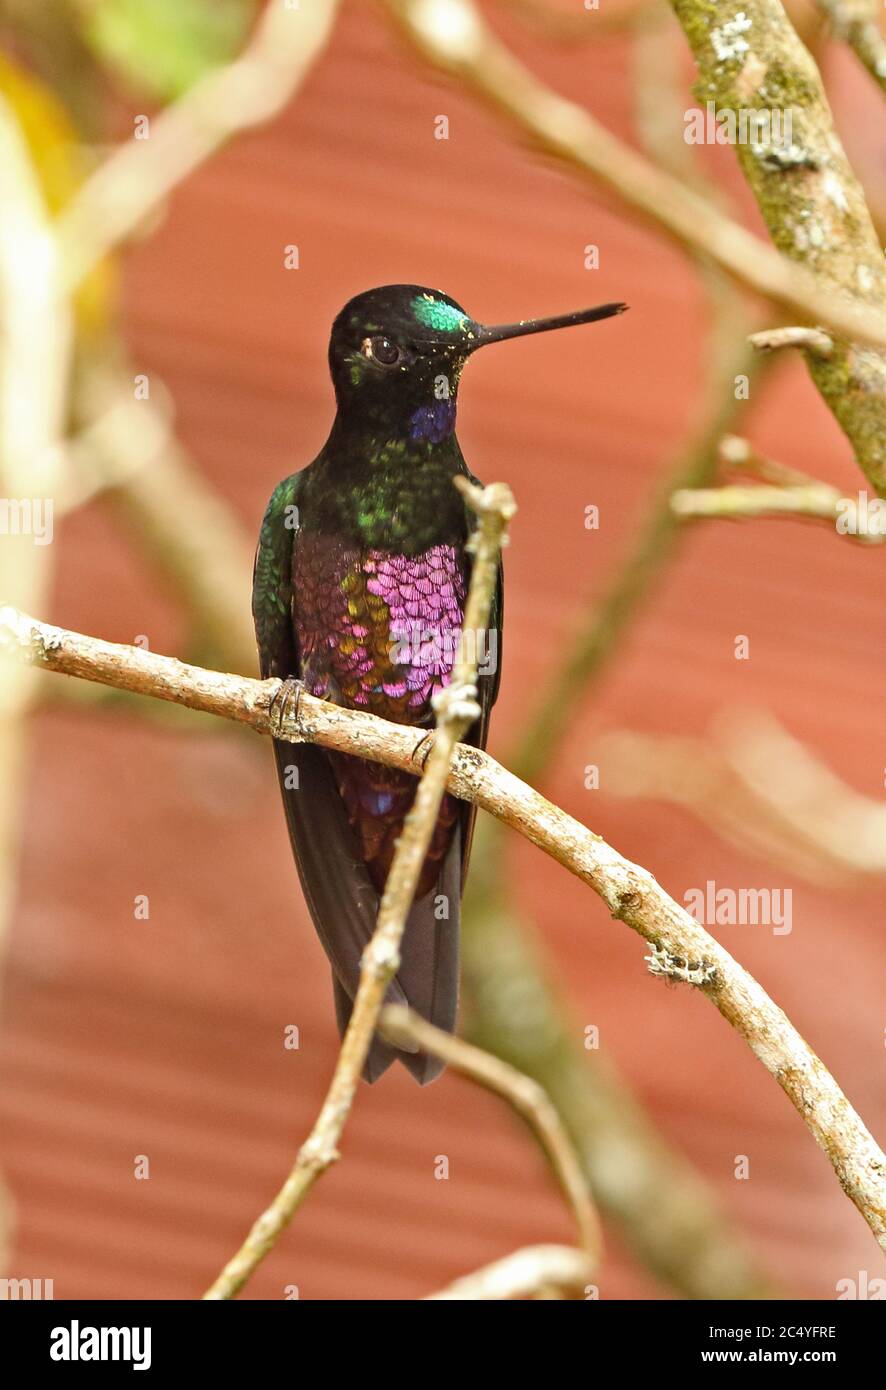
(340, 896)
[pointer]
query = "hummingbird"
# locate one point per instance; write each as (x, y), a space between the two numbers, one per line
(359, 589)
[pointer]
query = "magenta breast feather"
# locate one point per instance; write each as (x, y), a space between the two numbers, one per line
(376, 630)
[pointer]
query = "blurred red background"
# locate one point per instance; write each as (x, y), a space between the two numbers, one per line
(164, 1037)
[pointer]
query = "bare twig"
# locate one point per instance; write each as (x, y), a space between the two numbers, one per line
(629, 891)
(525, 1095)
(855, 22)
(454, 36)
(813, 340)
(805, 501)
(456, 710)
(739, 455)
(139, 176)
(540, 1271)
(807, 817)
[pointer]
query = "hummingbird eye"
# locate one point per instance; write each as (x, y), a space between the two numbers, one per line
(385, 352)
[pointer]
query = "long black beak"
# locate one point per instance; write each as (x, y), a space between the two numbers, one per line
(500, 332)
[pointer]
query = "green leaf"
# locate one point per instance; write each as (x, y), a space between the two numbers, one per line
(161, 47)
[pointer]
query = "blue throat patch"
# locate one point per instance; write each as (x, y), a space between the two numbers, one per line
(433, 423)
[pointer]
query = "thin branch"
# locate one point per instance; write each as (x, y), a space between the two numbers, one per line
(456, 709)
(540, 1271)
(739, 455)
(813, 340)
(788, 492)
(855, 22)
(527, 1098)
(816, 501)
(806, 818)
(454, 37)
(632, 895)
(135, 180)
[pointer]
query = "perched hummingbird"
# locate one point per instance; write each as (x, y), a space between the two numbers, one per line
(361, 576)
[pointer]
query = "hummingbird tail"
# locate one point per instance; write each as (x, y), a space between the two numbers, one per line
(381, 1054)
(428, 974)
(343, 903)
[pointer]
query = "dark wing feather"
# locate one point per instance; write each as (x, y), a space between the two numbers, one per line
(340, 896)
(428, 971)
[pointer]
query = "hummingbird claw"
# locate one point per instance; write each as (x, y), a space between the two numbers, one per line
(279, 708)
(421, 751)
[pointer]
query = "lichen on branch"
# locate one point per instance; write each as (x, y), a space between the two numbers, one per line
(750, 58)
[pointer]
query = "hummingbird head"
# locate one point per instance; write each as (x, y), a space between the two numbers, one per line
(396, 355)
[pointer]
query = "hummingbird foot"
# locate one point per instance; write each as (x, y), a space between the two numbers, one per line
(284, 703)
(422, 749)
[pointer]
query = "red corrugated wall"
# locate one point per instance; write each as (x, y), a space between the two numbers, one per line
(164, 1037)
